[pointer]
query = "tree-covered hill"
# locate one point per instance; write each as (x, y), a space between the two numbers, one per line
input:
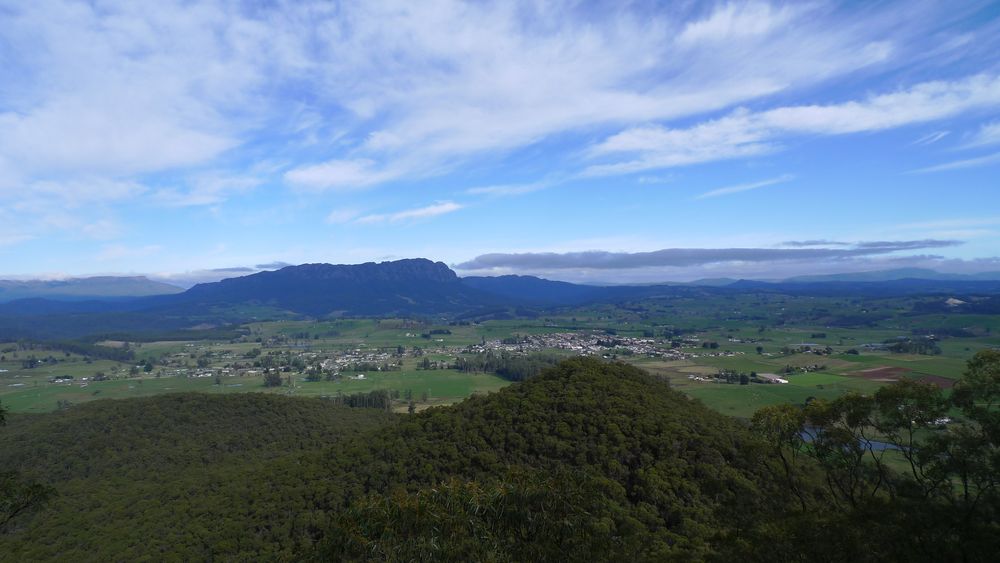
(656, 475)
(587, 461)
(133, 437)
(173, 477)
(259, 476)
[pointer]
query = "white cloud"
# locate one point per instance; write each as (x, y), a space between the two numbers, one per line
(339, 174)
(118, 89)
(103, 104)
(735, 21)
(751, 270)
(507, 189)
(77, 208)
(744, 133)
(69, 193)
(508, 75)
(81, 136)
(433, 210)
(206, 189)
(661, 179)
(189, 278)
(988, 134)
(102, 229)
(746, 187)
(682, 264)
(961, 164)
(931, 138)
(376, 90)
(10, 239)
(342, 215)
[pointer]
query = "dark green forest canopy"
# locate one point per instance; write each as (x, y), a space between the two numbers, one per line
(250, 475)
(174, 477)
(589, 460)
(671, 467)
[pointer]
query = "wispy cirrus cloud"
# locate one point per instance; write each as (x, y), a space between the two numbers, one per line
(744, 133)
(390, 96)
(738, 188)
(343, 215)
(961, 164)
(735, 21)
(988, 134)
(340, 174)
(566, 69)
(660, 179)
(111, 108)
(206, 189)
(508, 189)
(433, 210)
(931, 138)
(118, 95)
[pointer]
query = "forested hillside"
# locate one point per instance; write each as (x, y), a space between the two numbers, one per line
(248, 475)
(175, 477)
(587, 461)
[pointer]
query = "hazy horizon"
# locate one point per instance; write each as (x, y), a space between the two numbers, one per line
(188, 279)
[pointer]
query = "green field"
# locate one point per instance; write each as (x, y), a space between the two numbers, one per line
(441, 387)
(748, 333)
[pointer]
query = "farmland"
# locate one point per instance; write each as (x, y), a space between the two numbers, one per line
(690, 343)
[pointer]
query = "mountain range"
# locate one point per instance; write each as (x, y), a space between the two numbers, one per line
(372, 279)
(411, 287)
(77, 289)
(895, 274)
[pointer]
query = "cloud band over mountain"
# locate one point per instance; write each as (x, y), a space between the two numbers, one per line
(686, 257)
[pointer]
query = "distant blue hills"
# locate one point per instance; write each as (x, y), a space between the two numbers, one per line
(896, 274)
(412, 287)
(76, 289)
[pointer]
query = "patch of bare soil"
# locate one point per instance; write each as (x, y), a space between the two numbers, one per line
(882, 373)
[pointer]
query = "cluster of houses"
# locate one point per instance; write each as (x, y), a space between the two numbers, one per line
(584, 344)
(752, 378)
(771, 378)
(213, 360)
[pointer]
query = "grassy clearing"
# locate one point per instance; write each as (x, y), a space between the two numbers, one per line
(441, 386)
(815, 378)
(744, 400)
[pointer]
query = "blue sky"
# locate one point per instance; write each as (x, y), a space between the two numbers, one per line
(617, 142)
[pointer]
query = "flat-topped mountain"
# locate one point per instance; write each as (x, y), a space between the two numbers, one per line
(398, 287)
(403, 288)
(407, 270)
